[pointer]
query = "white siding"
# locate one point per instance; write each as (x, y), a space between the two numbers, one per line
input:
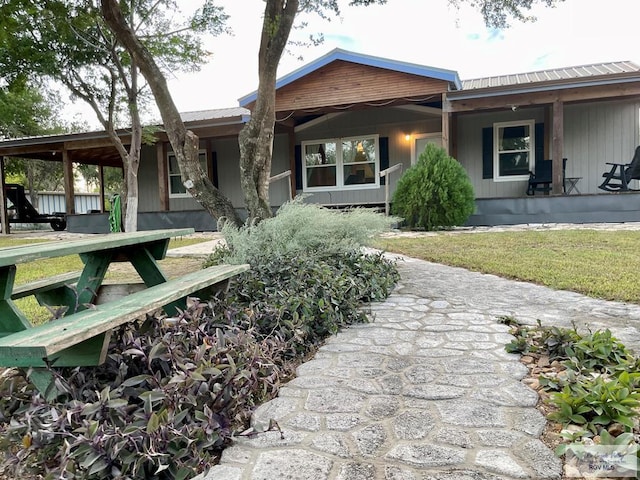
(598, 133)
(470, 150)
(148, 196)
(594, 133)
(393, 123)
(279, 190)
(53, 202)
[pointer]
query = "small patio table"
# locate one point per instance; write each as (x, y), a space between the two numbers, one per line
(572, 184)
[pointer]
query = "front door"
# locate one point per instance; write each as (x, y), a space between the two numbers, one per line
(420, 142)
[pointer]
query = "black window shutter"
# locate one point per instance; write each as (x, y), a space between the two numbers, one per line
(298, 155)
(487, 152)
(383, 143)
(539, 147)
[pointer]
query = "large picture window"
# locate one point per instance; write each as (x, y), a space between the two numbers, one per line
(176, 188)
(514, 151)
(341, 163)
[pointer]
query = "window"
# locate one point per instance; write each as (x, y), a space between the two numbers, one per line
(341, 163)
(176, 188)
(514, 152)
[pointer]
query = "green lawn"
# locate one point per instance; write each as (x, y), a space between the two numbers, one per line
(31, 271)
(601, 264)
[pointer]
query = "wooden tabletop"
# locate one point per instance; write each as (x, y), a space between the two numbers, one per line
(31, 252)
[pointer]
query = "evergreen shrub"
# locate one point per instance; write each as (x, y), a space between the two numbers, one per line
(434, 193)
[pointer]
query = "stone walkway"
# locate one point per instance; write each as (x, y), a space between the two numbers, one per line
(424, 392)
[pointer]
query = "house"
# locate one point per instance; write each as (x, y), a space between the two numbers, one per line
(348, 124)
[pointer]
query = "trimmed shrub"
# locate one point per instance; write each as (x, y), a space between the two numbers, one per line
(301, 227)
(434, 193)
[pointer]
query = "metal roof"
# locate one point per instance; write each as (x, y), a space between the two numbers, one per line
(594, 74)
(580, 73)
(214, 114)
(219, 116)
(359, 58)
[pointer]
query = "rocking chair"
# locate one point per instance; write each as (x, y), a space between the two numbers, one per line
(617, 179)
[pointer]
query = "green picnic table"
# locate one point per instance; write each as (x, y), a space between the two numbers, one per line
(81, 337)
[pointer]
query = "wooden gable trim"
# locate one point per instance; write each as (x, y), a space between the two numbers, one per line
(344, 83)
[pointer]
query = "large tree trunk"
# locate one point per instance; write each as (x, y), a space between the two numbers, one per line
(256, 138)
(130, 158)
(131, 180)
(185, 143)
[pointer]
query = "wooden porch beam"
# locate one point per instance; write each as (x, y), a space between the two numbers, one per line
(69, 193)
(31, 149)
(4, 218)
(541, 98)
(163, 176)
(291, 134)
(556, 149)
(94, 143)
(446, 124)
(453, 137)
(101, 180)
(218, 131)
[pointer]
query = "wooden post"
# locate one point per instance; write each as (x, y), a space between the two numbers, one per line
(163, 176)
(446, 123)
(558, 141)
(548, 138)
(4, 218)
(101, 179)
(292, 162)
(69, 189)
(453, 135)
(387, 205)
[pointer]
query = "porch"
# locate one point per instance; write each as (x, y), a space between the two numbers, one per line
(587, 208)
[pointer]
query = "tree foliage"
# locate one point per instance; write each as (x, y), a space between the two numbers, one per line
(24, 111)
(27, 111)
(498, 13)
(112, 178)
(67, 41)
(185, 143)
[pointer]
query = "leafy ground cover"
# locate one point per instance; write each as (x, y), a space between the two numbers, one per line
(589, 386)
(600, 264)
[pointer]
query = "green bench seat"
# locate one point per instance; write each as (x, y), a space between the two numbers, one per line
(82, 338)
(45, 285)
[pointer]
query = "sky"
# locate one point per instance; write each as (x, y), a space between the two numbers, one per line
(425, 32)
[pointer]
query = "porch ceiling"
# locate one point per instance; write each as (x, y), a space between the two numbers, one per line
(90, 153)
(96, 148)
